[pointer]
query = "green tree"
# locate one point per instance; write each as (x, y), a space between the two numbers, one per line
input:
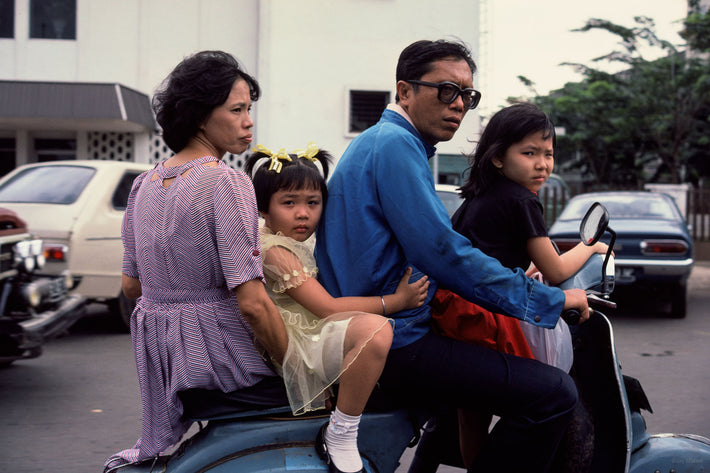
(697, 27)
(649, 122)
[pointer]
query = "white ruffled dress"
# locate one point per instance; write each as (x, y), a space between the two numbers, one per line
(314, 358)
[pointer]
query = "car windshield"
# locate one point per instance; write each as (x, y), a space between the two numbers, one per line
(47, 185)
(639, 206)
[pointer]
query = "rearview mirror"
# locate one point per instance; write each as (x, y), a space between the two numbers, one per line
(594, 224)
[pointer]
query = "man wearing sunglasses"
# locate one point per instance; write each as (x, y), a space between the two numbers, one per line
(383, 215)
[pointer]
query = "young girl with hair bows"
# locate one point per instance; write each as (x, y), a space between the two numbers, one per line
(331, 340)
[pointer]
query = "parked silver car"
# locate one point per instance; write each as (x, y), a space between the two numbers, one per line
(77, 208)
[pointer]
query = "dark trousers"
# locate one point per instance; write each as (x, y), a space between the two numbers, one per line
(533, 400)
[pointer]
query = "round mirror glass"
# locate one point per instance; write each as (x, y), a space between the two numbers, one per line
(593, 224)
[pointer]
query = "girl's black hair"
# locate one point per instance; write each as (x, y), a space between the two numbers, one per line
(299, 173)
(507, 127)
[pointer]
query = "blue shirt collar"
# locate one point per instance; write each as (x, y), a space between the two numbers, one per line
(398, 116)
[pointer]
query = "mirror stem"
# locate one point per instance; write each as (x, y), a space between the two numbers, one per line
(608, 254)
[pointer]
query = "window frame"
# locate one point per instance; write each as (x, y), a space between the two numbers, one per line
(7, 19)
(119, 198)
(52, 10)
(387, 95)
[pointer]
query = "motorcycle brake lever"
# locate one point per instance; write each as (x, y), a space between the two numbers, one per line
(600, 301)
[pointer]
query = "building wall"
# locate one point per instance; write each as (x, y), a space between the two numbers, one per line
(132, 42)
(306, 54)
(313, 51)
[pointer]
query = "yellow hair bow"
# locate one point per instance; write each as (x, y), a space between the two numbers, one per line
(309, 153)
(276, 158)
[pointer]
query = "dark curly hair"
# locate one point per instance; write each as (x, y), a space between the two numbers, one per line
(299, 173)
(505, 128)
(198, 85)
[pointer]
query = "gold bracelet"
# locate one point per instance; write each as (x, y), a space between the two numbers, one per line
(384, 310)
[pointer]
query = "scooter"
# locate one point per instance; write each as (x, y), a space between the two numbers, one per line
(276, 441)
(621, 442)
(273, 440)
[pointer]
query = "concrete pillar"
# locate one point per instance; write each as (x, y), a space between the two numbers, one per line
(23, 148)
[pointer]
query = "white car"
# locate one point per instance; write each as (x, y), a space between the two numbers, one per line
(77, 208)
(449, 196)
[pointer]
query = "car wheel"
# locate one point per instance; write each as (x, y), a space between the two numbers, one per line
(679, 295)
(122, 308)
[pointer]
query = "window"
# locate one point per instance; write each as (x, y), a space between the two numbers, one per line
(123, 189)
(7, 155)
(53, 19)
(449, 168)
(54, 149)
(365, 109)
(47, 185)
(7, 18)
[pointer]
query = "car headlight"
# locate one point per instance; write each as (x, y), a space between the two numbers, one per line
(29, 254)
(22, 249)
(35, 247)
(37, 250)
(68, 279)
(40, 261)
(28, 264)
(33, 294)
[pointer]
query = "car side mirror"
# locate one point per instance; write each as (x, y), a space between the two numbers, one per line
(594, 224)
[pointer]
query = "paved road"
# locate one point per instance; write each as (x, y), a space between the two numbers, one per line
(671, 358)
(76, 404)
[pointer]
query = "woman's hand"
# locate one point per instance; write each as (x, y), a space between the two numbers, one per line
(412, 295)
(577, 299)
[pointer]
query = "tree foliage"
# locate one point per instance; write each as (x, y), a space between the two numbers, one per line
(697, 27)
(650, 122)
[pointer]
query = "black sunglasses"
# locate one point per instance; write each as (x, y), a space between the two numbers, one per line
(448, 91)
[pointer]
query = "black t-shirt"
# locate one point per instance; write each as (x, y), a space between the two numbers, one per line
(501, 221)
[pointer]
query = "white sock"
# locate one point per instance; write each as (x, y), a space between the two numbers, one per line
(341, 440)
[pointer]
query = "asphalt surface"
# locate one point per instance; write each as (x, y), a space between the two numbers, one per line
(67, 410)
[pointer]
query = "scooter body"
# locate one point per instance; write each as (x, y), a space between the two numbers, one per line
(621, 442)
(273, 440)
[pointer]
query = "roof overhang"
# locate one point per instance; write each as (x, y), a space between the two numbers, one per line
(74, 106)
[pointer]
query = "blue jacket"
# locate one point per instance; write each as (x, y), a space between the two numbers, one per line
(383, 215)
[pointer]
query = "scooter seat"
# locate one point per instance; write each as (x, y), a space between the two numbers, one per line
(266, 398)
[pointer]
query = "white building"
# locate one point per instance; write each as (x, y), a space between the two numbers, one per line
(76, 76)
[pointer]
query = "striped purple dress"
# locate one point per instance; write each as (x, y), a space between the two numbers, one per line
(190, 244)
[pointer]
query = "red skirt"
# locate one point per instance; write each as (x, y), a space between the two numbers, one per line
(457, 318)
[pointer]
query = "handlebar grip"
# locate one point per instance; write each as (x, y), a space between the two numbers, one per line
(571, 316)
